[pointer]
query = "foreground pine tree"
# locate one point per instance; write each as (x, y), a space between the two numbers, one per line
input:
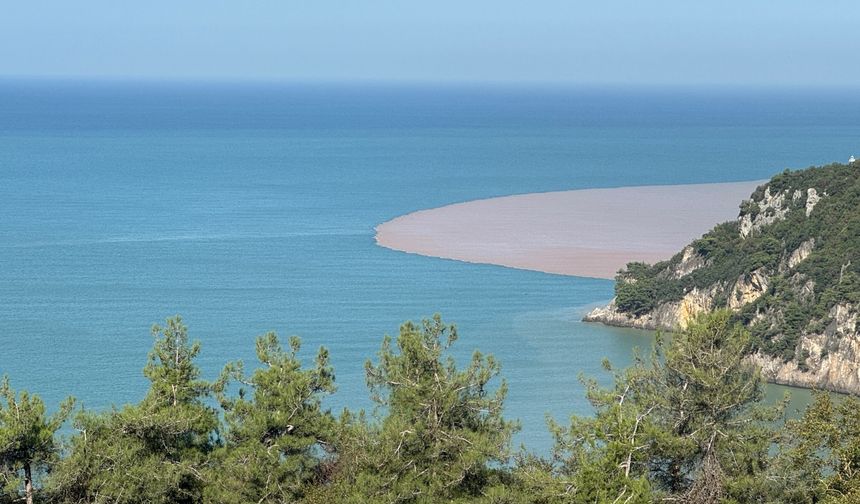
(153, 452)
(685, 425)
(819, 454)
(28, 441)
(443, 427)
(277, 432)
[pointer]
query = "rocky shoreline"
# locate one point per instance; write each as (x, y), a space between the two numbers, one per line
(833, 356)
(824, 355)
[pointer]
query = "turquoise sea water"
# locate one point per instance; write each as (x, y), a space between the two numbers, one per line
(249, 208)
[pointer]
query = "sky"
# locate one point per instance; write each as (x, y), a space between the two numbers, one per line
(624, 42)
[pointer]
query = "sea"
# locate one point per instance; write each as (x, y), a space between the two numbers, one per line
(251, 207)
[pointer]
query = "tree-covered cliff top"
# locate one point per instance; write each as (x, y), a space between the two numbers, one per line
(792, 255)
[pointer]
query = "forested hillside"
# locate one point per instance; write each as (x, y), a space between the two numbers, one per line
(788, 268)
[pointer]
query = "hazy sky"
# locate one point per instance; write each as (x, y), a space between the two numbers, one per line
(785, 42)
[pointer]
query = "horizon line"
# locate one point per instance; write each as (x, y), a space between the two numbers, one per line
(415, 82)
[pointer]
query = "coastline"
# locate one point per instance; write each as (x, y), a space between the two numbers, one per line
(583, 232)
(503, 231)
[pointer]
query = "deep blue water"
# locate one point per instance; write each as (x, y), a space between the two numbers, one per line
(248, 208)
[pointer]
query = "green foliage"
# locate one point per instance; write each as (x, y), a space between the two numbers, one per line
(684, 424)
(604, 458)
(638, 289)
(819, 454)
(276, 437)
(174, 377)
(832, 269)
(27, 440)
(710, 395)
(635, 292)
(443, 427)
(154, 452)
(750, 207)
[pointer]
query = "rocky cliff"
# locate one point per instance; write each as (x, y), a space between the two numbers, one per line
(787, 267)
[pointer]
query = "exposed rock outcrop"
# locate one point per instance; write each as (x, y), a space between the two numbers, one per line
(829, 360)
(785, 266)
(798, 255)
(690, 262)
(812, 199)
(747, 289)
(771, 208)
(667, 316)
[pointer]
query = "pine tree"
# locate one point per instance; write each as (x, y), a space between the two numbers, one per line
(443, 428)
(153, 452)
(819, 454)
(28, 441)
(605, 457)
(277, 432)
(715, 431)
(687, 424)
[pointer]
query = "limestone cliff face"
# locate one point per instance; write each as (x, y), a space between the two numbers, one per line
(822, 352)
(829, 360)
(690, 261)
(667, 316)
(675, 315)
(748, 288)
(772, 208)
(798, 255)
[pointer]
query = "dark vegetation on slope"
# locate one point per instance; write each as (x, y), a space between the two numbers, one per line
(786, 310)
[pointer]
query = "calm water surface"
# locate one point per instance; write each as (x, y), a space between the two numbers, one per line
(251, 208)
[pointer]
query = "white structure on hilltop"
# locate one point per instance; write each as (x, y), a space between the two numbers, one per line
(851, 160)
